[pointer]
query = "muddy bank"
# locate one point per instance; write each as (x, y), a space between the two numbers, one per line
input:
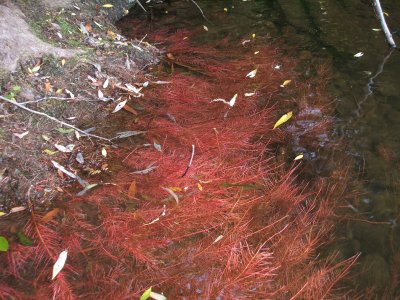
(54, 52)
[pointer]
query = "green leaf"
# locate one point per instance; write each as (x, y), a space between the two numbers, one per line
(16, 88)
(65, 130)
(146, 294)
(23, 239)
(4, 244)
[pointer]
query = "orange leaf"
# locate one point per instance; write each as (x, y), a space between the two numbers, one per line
(130, 109)
(88, 27)
(47, 86)
(132, 190)
(50, 215)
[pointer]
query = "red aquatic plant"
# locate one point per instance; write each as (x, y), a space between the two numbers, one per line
(215, 213)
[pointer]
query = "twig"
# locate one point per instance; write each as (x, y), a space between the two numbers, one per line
(54, 119)
(190, 162)
(44, 99)
(381, 18)
(202, 13)
(140, 4)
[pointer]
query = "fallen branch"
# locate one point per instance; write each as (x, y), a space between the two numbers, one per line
(381, 18)
(54, 119)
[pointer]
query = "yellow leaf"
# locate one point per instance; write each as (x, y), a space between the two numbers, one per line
(225, 9)
(298, 157)
(253, 35)
(199, 187)
(132, 190)
(49, 152)
(283, 119)
(59, 91)
(108, 5)
(285, 83)
(386, 14)
(63, 62)
(2, 213)
(176, 189)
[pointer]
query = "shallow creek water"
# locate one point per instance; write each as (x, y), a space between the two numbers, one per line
(365, 92)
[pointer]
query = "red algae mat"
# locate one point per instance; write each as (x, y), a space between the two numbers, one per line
(202, 206)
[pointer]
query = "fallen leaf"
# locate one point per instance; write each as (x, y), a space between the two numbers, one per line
(157, 296)
(104, 152)
(175, 189)
(157, 147)
(65, 149)
(205, 27)
(77, 135)
(3, 244)
(298, 157)
(130, 109)
(2, 213)
(252, 74)
(23, 239)
(132, 190)
(49, 152)
(79, 158)
(249, 94)
(225, 9)
(47, 86)
(21, 135)
(112, 35)
(119, 106)
(283, 119)
(100, 94)
(34, 69)
(59, 264)
(286, 82)
(233, 100)
(17, 209)
(220, 237)
(86, 189)
(105, 84)
(172, 193)
(108, 5)
(65, 130)
(199, 186)
(50, 215)
(359, 54)
(88, 27)
(146, 294)
(253, 35)
(63, 62)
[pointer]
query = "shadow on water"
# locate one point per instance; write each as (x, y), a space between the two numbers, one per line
(367, 100)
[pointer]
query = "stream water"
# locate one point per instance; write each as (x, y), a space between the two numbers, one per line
(366, 95)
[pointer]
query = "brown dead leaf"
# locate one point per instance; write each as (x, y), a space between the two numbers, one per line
(130, 109)
(132, 190)
(111, 34)
(50, 215)
(170, 56)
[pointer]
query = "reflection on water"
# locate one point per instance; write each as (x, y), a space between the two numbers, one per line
(367, 96)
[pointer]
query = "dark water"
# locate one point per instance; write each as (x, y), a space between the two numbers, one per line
(366, 93)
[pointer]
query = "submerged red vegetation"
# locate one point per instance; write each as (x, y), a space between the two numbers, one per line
(236, 224)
